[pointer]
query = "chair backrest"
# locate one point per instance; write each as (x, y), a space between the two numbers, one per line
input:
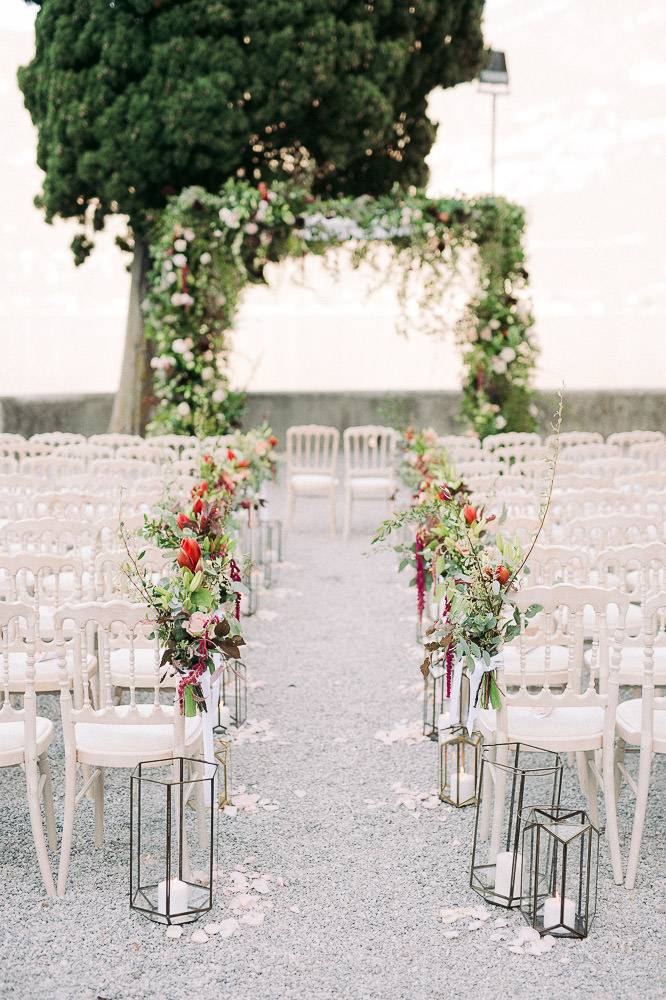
(52, 465)
(637, 569)
(606, 530)
(147, 452)
(625, 439)
(73, 504)
(651, 453)
(59, 438)
(18, 619)
(117, 624)
(50, 534)
(572, 438)
(560, 622)
(125, 471)
(111, 580)
(509, 439)
(115, 440)
(552, 564)
(370, 450)
(312, 448)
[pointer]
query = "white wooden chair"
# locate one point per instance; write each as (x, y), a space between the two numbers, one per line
(25, 737)
(312, 456)
(115, 440)
(111, 736)
(44, 580)
(51, 466)
(606, 530)
(369, 453)
(576, 719)
(58, 438)
(641, 722)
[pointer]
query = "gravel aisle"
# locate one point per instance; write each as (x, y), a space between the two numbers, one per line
(366, 878)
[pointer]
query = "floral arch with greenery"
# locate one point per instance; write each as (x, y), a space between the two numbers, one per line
(208, 247)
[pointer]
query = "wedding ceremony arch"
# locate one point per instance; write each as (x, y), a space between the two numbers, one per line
(207, 248)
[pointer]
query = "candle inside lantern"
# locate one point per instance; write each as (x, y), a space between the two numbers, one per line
(552, 914)
(178, 899)
(461, 786)
(503, 869)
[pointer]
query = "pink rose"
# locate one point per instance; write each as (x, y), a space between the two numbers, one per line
(197, 623)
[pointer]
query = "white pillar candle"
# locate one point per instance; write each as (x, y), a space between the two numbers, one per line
(178, 899)
(503, 869)
(552, 910)
(225, 715)
(461, 786)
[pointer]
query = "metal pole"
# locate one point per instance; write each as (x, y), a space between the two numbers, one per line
(492, 145)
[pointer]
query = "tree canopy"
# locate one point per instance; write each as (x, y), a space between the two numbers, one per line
(136, 99)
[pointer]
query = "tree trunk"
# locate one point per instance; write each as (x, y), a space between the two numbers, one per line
(132, 402)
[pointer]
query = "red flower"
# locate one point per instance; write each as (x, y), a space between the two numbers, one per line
(198, 491)
(182, 521)
(206, 458)
(273, 441)
(189, 554)
(502, 574)
(197, 507)
(231, 454)
(263, 191)
(243, 464)
(444, 493)
(469, 513)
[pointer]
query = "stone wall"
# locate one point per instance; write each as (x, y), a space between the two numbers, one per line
(599, 411)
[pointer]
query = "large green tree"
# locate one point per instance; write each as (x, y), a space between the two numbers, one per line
(135, 99)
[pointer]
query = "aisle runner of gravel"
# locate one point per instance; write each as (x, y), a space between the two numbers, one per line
(358, 874)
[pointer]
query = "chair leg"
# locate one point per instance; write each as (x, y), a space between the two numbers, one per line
(333, 511)
(619, 759)
(290, 507)
(587, 784)
(68, 822)
(612, 832)
(32, 789)
(98, 805)
(644, 768)
(348, 512)
(47, 795)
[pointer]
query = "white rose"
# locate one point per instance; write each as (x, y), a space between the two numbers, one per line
(205, 258)
(494, 324)
(168, 264)
(500, 421)
(189, 343)
(220, 365)
(252, 228)
(179, 346)
(498, 365)
(188, 234)
(219, 396)
(508, 354)
(183, 409)
(229, 218)
(188, 357)
(180, 245)
(207, 374)
(170, 277)
(208, 356)
(261, 211)
(179, 259)
(486, 333)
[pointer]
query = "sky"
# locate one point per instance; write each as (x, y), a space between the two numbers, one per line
(581, 144)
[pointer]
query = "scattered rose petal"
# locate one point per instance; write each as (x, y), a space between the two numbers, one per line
(199, 937)
(252, 919)
(174, 932)
(228, 927)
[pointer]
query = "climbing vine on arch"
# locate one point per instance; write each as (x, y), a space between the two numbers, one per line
(208, 247)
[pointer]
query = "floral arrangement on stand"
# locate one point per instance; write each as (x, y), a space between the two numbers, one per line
(197, 604)
(207, 248)
(243, 464)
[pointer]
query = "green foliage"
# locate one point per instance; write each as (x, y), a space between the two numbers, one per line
(206, 248)
(134, 100)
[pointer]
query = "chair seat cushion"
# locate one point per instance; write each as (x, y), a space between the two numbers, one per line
(535, 664)
(144, 669)
(303, 482)
(569, 728)
(371, 485)
(631, 664)
(47, 675)
(110, 745)
(12, 739)
(628, 724)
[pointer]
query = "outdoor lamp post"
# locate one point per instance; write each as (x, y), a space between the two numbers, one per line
(494, 80)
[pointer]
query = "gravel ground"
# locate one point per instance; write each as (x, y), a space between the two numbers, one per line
(333, 649)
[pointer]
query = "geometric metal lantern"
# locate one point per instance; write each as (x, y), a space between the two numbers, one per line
(233, 690)
(222, 754)
(271, 549)
(495, 74)
(560, 870)
(433, 699)
(172, 847)
(513, 775)
(459, 756)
